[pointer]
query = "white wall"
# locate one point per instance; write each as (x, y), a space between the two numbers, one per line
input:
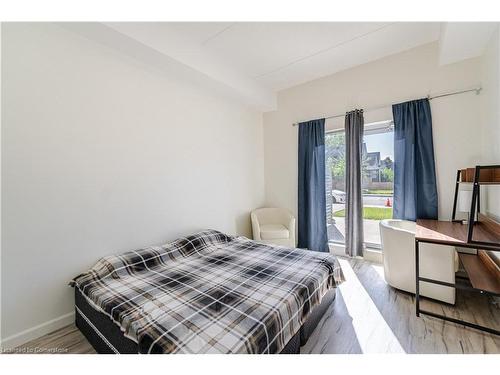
(408, 75)
(101, 154)
(490, 116)
(490, 112)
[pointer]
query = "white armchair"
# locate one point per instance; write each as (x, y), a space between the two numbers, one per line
(273, 225)
(436, 261)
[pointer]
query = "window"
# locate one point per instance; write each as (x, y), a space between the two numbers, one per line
(377, 174)
(377, 178)
(335, 185)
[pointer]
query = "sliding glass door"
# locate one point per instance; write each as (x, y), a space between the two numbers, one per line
(335, 185)
(377, 179)
(377, 172)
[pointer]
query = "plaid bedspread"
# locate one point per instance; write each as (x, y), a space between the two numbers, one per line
(210, 293)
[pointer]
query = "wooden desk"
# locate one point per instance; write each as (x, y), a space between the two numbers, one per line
(455, 234)
(483, 276)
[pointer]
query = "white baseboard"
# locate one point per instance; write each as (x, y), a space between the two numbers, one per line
(37, 331)
(337, 249)
(373, 255)
(369, 254)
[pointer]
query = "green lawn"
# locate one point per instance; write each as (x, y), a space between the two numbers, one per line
(373, 213)
(378, 191)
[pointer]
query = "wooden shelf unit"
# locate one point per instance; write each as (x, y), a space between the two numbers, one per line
(486, 175)
(480, 175)
(483, 275)
(481, 233)
(482, 271)
(455, 233)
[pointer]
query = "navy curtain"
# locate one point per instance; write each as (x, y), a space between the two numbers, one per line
(415, 192)
(312, 192)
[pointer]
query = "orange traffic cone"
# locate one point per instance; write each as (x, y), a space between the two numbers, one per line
(388, 203)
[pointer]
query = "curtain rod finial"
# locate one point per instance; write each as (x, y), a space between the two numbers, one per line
(478, 90)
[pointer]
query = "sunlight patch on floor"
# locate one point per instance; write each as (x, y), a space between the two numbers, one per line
(372, 331)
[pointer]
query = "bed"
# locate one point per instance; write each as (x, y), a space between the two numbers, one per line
(205, 293)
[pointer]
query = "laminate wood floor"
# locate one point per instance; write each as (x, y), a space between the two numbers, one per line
(367, 316)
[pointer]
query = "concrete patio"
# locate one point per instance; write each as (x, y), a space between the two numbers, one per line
(336, 231)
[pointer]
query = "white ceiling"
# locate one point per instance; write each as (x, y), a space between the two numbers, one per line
(281, 55)
(255, 60)
(463, 40)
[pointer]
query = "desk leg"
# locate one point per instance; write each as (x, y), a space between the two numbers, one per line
(417, 281)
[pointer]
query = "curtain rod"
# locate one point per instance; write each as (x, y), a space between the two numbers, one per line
(477, 90)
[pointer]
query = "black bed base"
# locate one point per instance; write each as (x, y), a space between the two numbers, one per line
(107, 338)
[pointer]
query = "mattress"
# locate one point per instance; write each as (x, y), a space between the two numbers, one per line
(210, 293)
